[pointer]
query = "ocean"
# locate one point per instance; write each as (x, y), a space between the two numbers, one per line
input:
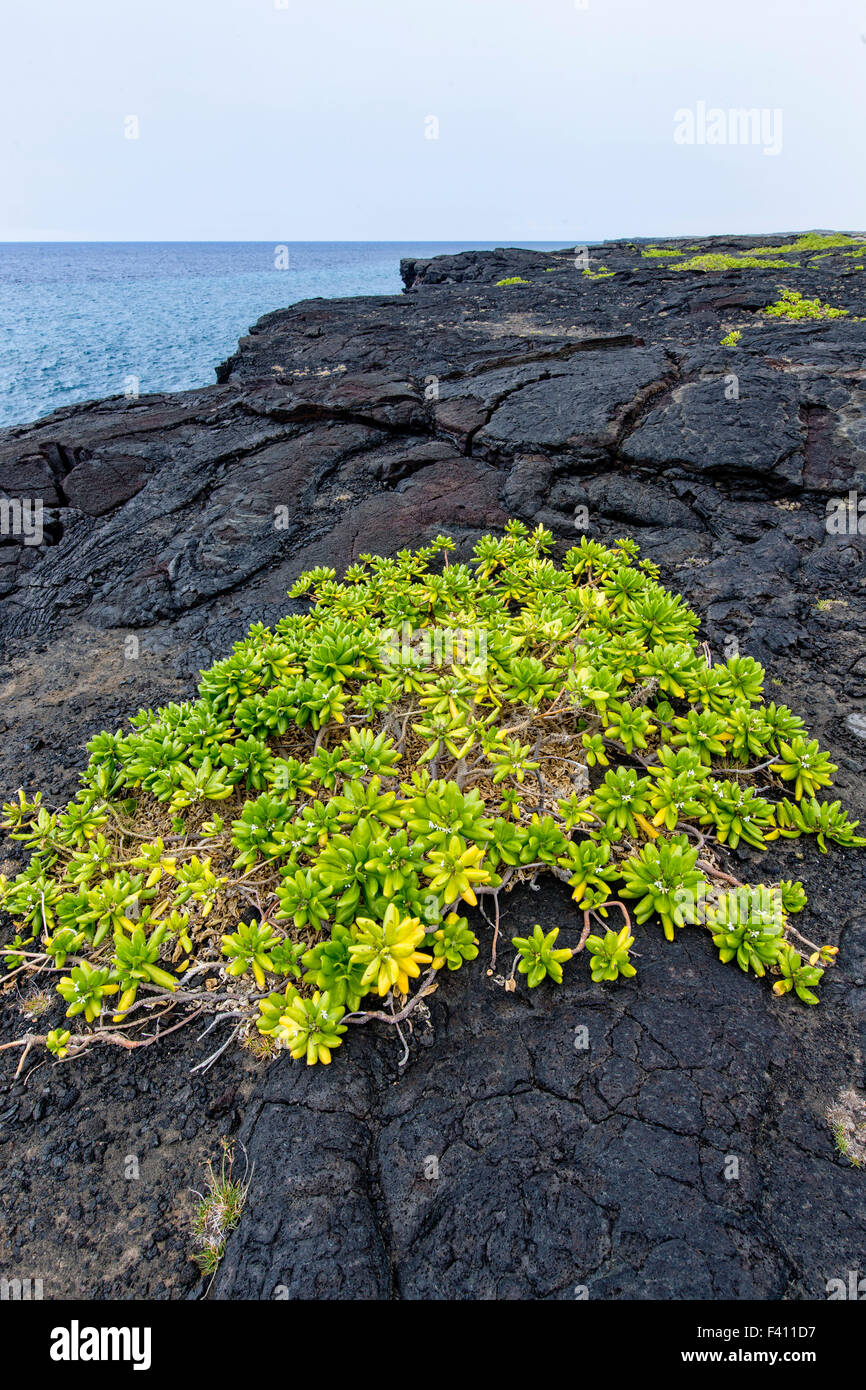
(84, 320)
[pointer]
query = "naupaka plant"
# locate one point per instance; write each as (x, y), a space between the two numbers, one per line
(300, 847)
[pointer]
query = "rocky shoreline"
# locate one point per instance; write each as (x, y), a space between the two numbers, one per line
(338, 427)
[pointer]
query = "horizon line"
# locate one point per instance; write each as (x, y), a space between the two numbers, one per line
(505, 244)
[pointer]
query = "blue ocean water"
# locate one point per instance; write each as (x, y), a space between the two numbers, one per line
(78, 320)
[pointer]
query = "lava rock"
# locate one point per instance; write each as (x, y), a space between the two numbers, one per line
(502, 1161)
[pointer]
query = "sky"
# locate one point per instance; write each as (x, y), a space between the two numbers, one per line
(393, 120)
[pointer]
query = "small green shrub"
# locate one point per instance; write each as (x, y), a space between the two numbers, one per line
(815, 241)
(56, 1041)
(609, 955)
(731, 339)
(538, 958)
(512, 280)
(792, 305)
(742, 261)
(427, 734)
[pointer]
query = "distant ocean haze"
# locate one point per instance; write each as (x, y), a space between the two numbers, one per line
(79, 321)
